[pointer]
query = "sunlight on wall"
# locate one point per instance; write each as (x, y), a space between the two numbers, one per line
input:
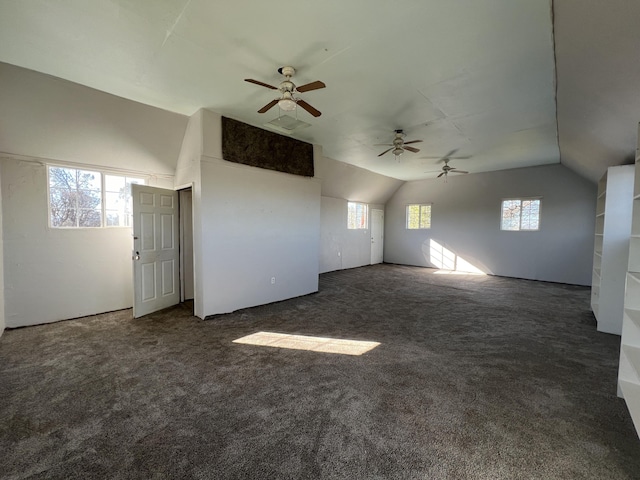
(450, 263)
(313, 344)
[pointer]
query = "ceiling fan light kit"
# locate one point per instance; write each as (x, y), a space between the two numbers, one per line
(398, 146)
(288, 101)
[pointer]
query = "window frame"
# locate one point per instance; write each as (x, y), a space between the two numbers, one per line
(103, 197)
(406, 215)
(521, 199)
(366, 215)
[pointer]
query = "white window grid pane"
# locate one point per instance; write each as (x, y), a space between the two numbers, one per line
(88, 199)
(418, 217)
(357, 215)
(520, 214)
(511, 214)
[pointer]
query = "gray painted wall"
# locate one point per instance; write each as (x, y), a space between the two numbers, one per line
(466, 220)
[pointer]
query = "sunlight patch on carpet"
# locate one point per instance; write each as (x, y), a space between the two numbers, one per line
(303, 342)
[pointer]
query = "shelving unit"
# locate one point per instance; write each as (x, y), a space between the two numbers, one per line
(629, 372)
(611, 246)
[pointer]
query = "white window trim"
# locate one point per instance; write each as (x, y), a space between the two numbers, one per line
(102, 172)
(406, 216)
(522, 199)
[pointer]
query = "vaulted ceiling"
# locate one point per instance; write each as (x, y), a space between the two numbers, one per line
(477, 77)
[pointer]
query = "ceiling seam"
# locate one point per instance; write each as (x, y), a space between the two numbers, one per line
(555, 75)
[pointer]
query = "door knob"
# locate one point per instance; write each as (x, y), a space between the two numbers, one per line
(136, 256)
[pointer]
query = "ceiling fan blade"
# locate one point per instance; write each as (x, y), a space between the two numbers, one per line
(383, 145)
(455, 170)
(412, 141)
(440, 175)
(262, 84)
(388, 150)
(451, 153)
(411, 149)
(309, 108)
(311, 86)
(268, 106)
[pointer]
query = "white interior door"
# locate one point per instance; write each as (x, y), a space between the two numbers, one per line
(377, 236)
(155, 249)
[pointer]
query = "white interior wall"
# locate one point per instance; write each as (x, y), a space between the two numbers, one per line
(2, 320)
(255, 224)
(54, 274)
(188, 172)
(466, 221)
(340, 247)
(50, 118)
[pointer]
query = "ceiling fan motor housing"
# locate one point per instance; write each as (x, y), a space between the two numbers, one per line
(287, 71)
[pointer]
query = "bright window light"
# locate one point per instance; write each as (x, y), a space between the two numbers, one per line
(418, 217)
(357, 215)
(450, 263)
(85, 198)
(520, 214)
(312, 344)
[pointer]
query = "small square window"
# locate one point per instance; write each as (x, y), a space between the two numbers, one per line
(357, 215)
(418, 217)
(520, 214)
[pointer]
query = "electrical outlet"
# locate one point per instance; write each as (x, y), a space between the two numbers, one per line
(273, 280)
(339, 254)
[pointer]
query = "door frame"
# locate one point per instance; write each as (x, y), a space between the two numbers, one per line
(180, 189)
(376, 210)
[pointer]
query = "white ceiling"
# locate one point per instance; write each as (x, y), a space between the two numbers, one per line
(475, 76)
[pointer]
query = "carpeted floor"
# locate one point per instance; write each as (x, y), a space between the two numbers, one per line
(475, 377)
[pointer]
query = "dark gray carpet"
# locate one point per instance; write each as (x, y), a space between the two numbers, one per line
(475, 377)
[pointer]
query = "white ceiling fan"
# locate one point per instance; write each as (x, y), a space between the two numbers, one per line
(446, 169)
(399, 145)
(288, 100)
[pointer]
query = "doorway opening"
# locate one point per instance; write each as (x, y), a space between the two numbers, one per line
(186, 246)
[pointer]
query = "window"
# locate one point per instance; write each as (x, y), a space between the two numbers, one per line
(521, 214)
(418, 216)
(357, 215)
(85, 198)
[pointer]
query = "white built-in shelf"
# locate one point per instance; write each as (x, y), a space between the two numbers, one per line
(632, 355)
(629, 371)
(631, 327)
(631, 393)
(611, 242)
